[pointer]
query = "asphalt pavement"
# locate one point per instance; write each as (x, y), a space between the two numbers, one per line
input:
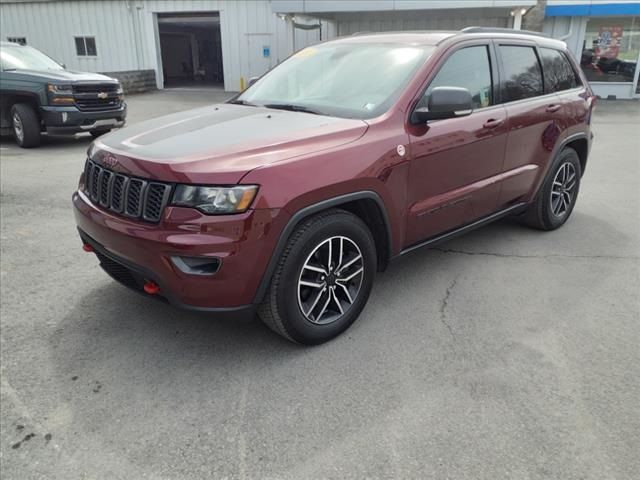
(507, 353)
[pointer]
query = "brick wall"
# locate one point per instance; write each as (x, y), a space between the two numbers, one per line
(135, 81)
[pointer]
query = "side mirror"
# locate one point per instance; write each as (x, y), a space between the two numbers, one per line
(445, 102)
(253, 80)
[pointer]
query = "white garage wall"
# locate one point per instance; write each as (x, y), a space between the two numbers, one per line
(126, 32)
(51, 26)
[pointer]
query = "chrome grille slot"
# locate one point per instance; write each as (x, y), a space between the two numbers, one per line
(105, 184)
(119, 193)
(134, 196)
(157, 196)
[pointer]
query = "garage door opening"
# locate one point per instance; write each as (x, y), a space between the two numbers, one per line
(191, 49)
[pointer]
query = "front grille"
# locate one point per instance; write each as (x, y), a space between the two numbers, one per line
(133, 197)
(88, 96)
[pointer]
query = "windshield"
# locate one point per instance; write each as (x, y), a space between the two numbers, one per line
(352, 80)
(25, 58)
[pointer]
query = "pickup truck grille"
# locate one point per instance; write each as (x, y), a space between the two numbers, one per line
(125, 195)
(94, 97)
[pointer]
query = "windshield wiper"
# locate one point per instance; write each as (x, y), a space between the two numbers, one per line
(293, 108)
(243, 102)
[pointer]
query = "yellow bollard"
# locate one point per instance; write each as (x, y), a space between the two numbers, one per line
(242, 84)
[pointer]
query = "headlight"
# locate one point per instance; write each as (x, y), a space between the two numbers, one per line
(214, 200)
(60, 89)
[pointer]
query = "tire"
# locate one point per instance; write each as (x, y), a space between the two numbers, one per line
(306, 253)
(26, 125)
(557, 197)
(98, 133)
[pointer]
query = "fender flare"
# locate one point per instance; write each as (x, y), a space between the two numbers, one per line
(307, 211)
(559, 148)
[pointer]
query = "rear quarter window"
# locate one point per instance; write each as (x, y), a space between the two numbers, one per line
(559, 75)
(522, 73)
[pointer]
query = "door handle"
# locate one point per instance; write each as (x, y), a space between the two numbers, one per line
(553, 108)
(493, 122)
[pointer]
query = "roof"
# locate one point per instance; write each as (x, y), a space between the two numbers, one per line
(410, 38)
(435, 38)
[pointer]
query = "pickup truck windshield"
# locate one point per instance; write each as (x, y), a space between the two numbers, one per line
(25, 58)
(350, 80)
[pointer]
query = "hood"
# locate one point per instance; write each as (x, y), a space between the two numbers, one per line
(69, 76)
(221, 143)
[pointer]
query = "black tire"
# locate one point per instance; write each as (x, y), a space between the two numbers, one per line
(98, 133)
(281, 310)
(541, 213)
(26, 125)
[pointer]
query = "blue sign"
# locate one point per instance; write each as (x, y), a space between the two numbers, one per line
(266, 51)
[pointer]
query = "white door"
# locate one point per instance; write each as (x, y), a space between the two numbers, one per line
(260, 50)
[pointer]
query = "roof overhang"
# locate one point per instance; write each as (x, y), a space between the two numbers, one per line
(589, 8)
(337, 6)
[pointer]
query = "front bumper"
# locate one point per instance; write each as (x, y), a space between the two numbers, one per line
(70, 120)
(243, 243)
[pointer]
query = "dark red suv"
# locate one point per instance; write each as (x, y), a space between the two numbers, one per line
(288, 198)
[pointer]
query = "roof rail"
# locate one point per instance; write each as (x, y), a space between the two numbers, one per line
(501, 30)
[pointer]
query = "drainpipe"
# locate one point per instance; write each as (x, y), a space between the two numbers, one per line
(570, 32)
(517, 18)
(134, 24)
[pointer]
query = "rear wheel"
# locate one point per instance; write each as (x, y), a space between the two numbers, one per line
(26, 125)
(557, 196)
(323, 279)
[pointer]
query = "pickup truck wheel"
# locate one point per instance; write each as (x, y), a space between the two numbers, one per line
(557, 196)
(323, 279)
(26, 125)
(98, 133)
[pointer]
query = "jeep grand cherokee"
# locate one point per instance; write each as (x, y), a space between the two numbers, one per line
(289, 197)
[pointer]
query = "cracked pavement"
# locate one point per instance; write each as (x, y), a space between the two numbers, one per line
(506, 353)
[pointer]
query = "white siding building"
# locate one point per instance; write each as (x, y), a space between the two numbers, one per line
(148, 43)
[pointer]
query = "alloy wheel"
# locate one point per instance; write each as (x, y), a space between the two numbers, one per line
(563, 189)
(330, 280)
(18, 128)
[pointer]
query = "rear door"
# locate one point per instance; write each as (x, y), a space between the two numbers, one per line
(535, 120)
(455, 163)
(561, 78)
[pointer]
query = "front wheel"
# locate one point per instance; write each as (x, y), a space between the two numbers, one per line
(323, 279)
(26, 125)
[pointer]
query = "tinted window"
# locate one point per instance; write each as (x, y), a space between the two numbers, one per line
(86, 46)
(467, 68)
(523, 78)
(558, 73)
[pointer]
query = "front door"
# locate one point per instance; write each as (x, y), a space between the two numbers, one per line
(456, 163)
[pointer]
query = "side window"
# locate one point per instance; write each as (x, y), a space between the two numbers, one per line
(558, 72)
(523, 78)
(467, 68)
(86, 46)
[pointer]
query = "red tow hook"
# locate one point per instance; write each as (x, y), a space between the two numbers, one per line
(152, 288)
(87, 248)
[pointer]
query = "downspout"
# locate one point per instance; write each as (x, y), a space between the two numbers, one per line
(134, 25)
(570, 32)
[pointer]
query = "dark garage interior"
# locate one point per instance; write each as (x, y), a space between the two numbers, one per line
(191, 49)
